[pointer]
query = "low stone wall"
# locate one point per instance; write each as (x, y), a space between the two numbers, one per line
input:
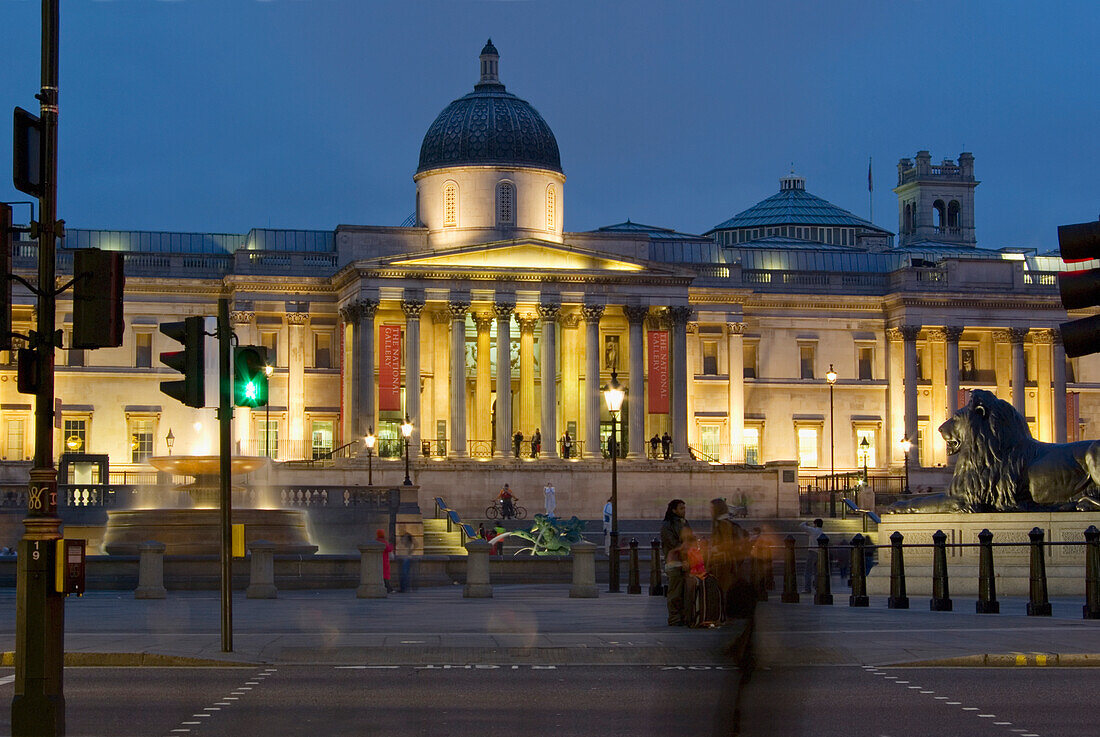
(1065, 564)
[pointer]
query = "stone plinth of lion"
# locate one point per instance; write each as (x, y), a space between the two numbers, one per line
(1000, 467)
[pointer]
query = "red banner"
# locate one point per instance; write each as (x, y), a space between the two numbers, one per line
(389, 368)
(658, 372)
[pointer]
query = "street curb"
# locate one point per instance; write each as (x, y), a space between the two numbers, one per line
(132, 660)
(1010, 660)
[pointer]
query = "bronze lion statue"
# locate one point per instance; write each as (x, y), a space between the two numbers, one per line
(1001, 468)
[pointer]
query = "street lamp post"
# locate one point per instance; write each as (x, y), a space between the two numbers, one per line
(830, 376)
(370, 440)
(407, 431)
(864, 446)
(613, 394)
(169, 440)
(906, 444)
(268, 370)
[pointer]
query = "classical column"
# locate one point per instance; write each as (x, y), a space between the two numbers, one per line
(909, 335)
(439, 407)
(296, 380)
(735, 346)
(365, 387)
(951, 334)
(549, 370)
(351, 315)
(458, 378)
(635, 317)
(412, 309)
(1042, 341)
(1058, 369)
(503, 311)
(679, 316)
(570, 375)
(527, 322)
(483, 382)
(1019, 367)
(592, 352)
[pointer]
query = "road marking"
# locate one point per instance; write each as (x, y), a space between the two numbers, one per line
(931, 692)
(987, 716)
(942, 698)
(970, 708)
(953, 703)
(1003, 724)
(222, 703)
(206, 716)
(190, 722)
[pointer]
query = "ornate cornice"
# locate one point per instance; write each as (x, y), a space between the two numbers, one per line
(692, 328)
(735, 328)
(680, 314)
(592, 313)
(952, 333)
(909, 332)
(570, 320)
(893, 334)
(1043, 336)
(458, 310)
(297, 318)
(441, 317)
(935, 334)
(241, 317)
(504, 310)
(1017, 335)
(1000, 336)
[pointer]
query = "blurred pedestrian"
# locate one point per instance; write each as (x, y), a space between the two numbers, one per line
(408, 547)
(607, 527)
(666, 445)
(387, 556)
(671, 539)
(813, 533)
(551, 499)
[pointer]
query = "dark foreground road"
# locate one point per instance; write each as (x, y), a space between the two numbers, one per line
(575, 701)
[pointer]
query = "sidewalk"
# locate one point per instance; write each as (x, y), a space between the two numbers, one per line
(520, 624)
(805, 634)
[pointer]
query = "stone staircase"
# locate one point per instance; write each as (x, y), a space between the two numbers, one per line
(437, 541)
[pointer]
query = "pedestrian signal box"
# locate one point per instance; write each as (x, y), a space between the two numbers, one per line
(70, 562)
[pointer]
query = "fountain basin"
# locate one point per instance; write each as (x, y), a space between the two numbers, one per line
(198, 531)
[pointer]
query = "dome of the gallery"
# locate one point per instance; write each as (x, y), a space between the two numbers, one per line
(489, 127)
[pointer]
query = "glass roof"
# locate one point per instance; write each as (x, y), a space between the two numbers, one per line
(795, 207)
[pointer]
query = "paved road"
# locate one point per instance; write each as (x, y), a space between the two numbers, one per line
(853, 701)
(319, 701)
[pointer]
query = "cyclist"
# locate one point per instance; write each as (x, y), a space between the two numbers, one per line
(507, 503)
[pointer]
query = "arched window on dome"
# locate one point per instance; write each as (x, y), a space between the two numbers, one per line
(450, 205)
(506, 203)
(551, 207)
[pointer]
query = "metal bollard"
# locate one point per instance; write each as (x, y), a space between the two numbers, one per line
(1091, 610)
(656, 588)
(261, 571)
(632, 584)
(987, 584)
(790, 576)
(478, 585)
(584, 571)
(941, 593)
(859, 573)
(1039, 604)
(756, 570)
(898, 599)
(824, 584)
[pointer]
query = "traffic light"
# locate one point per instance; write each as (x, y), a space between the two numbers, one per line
(5, 288)
(191, 389)
(1079, 289)
(249, 377)
(98, 283)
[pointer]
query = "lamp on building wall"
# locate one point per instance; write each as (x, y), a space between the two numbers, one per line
(407, 431)
(268, 371)
(169, 440)
(613, 394)
(830, 377)
(864, 446)
(370, 440)
(906, 445)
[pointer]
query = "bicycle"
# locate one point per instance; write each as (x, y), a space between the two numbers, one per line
(495, 511)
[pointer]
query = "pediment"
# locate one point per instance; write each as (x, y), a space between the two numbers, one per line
(524, 256)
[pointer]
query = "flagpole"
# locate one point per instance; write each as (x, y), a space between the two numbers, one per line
(870, 192)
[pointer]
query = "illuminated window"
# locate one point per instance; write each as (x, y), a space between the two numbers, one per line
(141, 439)
(268, 435)
(865, 455)
(270, 341)
(450, 204)
(806, 360)
(322, 437)
(750, 441)
(866, 362)
(13, 445)
(551, 208)
(74, 436)
(506, 196)
(710, 357)
(710, 438)
(807, 447)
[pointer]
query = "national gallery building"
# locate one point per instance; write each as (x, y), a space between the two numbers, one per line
(486, 323)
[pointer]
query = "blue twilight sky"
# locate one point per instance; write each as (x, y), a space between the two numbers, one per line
(224, 115)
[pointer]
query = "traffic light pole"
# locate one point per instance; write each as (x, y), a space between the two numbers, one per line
(225, 417)
(38, 704)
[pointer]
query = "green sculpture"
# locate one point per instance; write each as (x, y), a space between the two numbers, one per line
(550, 535)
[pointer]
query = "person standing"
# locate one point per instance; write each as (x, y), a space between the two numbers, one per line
(607, 527)
(666, 445)
(566, 445)
(654, 443)
(517, 441)
(551, 499)
(407, 548)
(813, 533)
(387, 556)
(507, 502)
(671, 538)
(536, 443)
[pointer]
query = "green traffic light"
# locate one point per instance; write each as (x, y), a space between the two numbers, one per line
(249, 379)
